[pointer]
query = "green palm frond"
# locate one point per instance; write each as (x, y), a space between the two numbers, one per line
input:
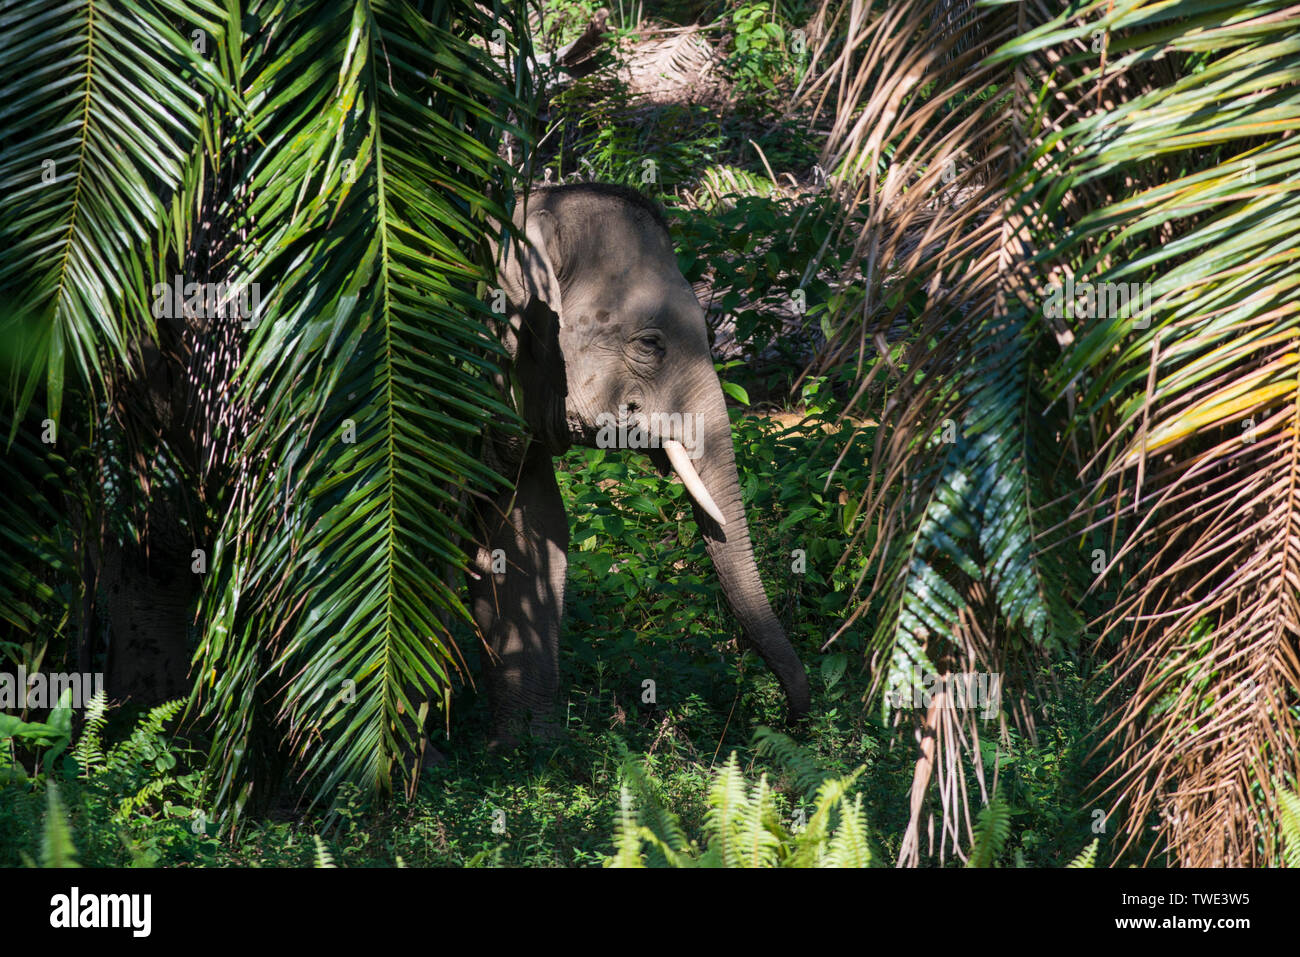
(964, 573)
(981, 531)
(103, 106)
(36, 550)
(370, 373)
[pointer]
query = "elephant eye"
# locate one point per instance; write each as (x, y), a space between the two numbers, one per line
(649, 345)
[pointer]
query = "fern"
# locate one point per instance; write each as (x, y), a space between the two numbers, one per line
(721, 185)
(488, 857)
(818, 836)
(991, 833)
(89, 750)
(138, 768)
(140, 799)
(742, 821)
(57, 849)
(627, 833)
(323, 856)
(743, 828)
(143, 743)
(1087, 857)
(792, 758)
(652, 826)
(743, 825)
(1288, 806)
(851, 845)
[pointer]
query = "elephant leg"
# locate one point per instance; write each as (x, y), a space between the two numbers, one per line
(518, 600)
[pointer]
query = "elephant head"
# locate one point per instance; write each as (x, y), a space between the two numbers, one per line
(611, 349)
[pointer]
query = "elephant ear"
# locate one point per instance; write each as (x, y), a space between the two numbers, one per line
(529, 276)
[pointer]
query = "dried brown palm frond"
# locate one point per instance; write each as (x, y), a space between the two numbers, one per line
(1206, 676)
(1194, 403)
(1153, 144)
(927, 138)
(680, 67)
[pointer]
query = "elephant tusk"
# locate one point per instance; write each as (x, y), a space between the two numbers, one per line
(681, 463)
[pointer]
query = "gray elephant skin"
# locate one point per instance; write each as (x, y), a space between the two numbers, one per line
(601, 327)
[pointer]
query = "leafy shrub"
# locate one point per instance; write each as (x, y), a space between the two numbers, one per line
(47, 739)
(131, 802)
(759, 57)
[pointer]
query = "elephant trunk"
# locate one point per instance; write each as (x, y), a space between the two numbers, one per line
(729, 546)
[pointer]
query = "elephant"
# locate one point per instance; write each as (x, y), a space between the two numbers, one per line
(608, 347)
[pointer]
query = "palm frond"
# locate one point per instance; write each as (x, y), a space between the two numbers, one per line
(36, 551)
(1148, 148)
(370, 372)
(102, 106)
(1192, 193)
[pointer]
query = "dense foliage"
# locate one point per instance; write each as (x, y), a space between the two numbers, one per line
(949, 466)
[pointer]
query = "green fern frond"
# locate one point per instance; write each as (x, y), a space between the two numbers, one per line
(1288, 807)
(743, 827)
(89, 750)
(791, 757)
(670, 840)
(488, 857)
(669, 855)
(1087, 857)
(851, 845)
(992, 830)
(727, 800)
(144, 735)
(758, 836)
(627, 833)
(132, 803)
(322, 856)
(813, 845)
(57, 848)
